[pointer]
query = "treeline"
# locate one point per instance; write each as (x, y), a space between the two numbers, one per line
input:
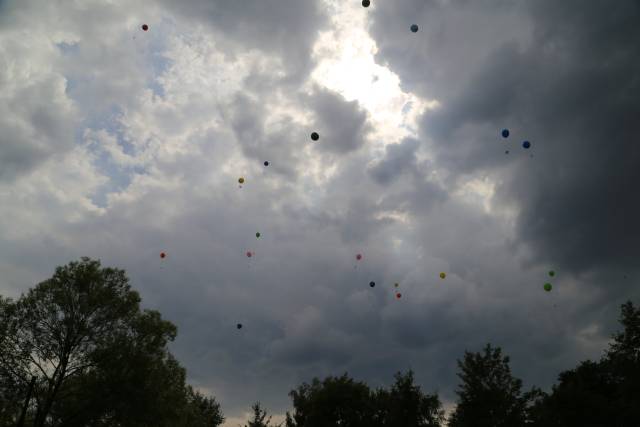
(77, 350)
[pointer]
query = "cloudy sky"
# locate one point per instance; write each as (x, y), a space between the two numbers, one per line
(116, 143)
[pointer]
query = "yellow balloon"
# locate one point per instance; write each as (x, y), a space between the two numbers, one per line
(443, 275)
(241, 180)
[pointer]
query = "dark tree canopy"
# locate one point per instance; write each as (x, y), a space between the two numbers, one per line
(600, 393)
(489, 395)
(334, 401)
(260, 418)
(98, 359)
(406, 405)
(341, 401)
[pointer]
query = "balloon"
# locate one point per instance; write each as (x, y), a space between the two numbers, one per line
(266, 163)
(258, 234)
(162, 255)
(552, 273)
(249, 254)
(396, 284)
(414, 28)
(241, 180)
(239, 326)
(366, 3)
(315, 136)
(398, 295)
(372, 284)
(506, 152)
(359, 257)
(145, 27)
(505, 133)
(547, 287)
(526, 144)
(443, 275)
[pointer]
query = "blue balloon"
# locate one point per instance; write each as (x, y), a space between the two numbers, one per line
(414, 28)
(505, 133)
(526, 144)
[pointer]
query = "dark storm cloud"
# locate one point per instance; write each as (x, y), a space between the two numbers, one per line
(399, 159)
(582, 205)
(573, 91)
(564, 76)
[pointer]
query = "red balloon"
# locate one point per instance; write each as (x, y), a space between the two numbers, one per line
(162, 255)
(249, 254)
(398, 295)
(145, 27)
(359, 257)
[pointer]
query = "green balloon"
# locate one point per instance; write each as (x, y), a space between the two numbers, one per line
(547, 287)
(258, 235)
(552, 273)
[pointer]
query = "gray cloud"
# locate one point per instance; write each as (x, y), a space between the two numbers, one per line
(399, 158)
(342, 125)
(285, 28)
(560, 75)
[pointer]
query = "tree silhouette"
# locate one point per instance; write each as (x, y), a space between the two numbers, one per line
(259, 416)
(603, 393)
(406, 405)
(342, 401)
(489, 395)
(336, 401)
(97, 358)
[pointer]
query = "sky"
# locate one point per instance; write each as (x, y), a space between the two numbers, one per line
(118, 144)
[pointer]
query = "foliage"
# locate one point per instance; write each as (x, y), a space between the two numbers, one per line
(406, 405)
(345, 402)
(600, 393)
(97, 358)
(259, 416)
(334, 401)
(489, 395)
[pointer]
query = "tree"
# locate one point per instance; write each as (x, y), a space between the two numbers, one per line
(13, 386)
(489, 395)
(336, 401)
(600, 393)
(202, 411)
(406, 405)
(626, 344)
(259, 416)
(97, 358)
(582, 398)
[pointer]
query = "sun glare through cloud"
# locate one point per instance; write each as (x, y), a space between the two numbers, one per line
(237, 197)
